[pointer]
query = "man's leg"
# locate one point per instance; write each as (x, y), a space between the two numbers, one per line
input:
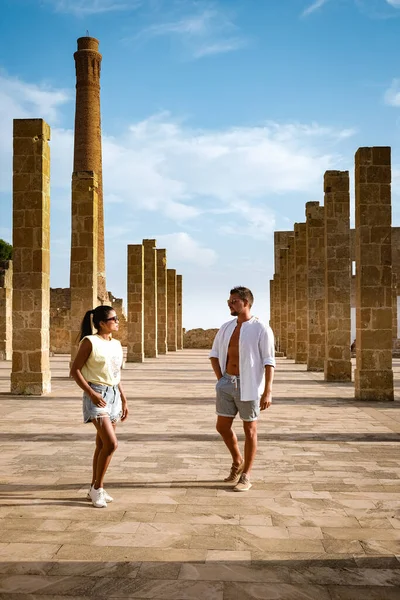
(224, 428)
(250, 445)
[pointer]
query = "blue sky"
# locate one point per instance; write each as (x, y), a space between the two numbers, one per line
(219, 119)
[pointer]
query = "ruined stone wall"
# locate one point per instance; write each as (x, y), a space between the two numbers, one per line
(199, 338)
(122, 333)
(60, 320)
(6, 309)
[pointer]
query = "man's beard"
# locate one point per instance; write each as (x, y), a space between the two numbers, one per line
(234, 313)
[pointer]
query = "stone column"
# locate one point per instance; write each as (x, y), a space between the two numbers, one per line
(271, 304)
(301, 294)
(280, 241)
(394, 306)
(135, 341)
(83, 271)
(179, 331)
(171, 310)
(31, 258)
(337, 276)
(6, 274)
(283, 273)
(277, 312)
(374, 374)
(150, 298)
(162, 301)
(291, 309)
(87, 136)
(316, 286)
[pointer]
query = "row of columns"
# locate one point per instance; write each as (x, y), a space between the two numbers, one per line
(311, 287)
(154, 292)
(154, 303)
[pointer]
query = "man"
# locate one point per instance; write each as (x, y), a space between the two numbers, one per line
(243, 360)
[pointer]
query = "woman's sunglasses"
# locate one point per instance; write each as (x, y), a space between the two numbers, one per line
(115, 318)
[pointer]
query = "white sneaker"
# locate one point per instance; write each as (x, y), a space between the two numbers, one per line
(97, 498)
(107, 496)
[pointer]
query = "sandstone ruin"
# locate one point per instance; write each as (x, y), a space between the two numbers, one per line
(325, 289)
(311, 293)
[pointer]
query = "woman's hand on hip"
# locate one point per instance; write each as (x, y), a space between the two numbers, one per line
(98, 400)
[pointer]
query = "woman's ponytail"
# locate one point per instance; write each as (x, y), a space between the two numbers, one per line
(86, 325)
(93, 318)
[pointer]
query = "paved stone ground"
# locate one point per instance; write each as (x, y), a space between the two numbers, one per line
(321, 522)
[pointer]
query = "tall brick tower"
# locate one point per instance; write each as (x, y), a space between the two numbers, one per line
(87, 145)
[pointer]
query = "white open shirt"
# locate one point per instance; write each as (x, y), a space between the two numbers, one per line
(256, 350)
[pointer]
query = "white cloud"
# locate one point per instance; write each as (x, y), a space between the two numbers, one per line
(392, 94)
(161, 165)
(379, 9)
(181, 247)
(257, 222)
(22, 100)
(82, 8)
(221, 47)
(203, 33)
(313, 7)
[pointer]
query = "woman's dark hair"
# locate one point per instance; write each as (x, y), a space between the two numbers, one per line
(100, 313)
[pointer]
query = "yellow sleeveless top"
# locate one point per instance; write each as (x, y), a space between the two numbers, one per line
(105, 361)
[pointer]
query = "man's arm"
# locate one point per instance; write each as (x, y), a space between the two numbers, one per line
(214, 355)
(216, 367)
(266, 398)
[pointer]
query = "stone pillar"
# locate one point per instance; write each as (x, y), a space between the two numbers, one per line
(394, 306)
(283, 273)
(171, 310)
(291, 309)
(162, 301)
(83, 271)
(6, 274)
(135, 341)
(301, 294)
(271, 304)
(122, 333)
(31, 258)
(374, 374)
(179, 331)
(315, 228)
(87, 136)
(150, 298)
(277, 312)
(280, 241)
(337, 276)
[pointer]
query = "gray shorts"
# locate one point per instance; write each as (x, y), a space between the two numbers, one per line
(113, 408)
(229, 402)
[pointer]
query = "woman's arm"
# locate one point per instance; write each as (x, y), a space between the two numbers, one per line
(83, 354)
(125, 410)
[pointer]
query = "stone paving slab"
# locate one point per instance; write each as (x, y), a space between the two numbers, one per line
(322, 520)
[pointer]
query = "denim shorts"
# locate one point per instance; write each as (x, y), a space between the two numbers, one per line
(229, 402)
(113, 408)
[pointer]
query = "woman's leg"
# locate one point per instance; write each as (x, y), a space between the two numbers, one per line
(102, 455)
(97, 450)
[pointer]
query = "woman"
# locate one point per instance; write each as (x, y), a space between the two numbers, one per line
(97, 370)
